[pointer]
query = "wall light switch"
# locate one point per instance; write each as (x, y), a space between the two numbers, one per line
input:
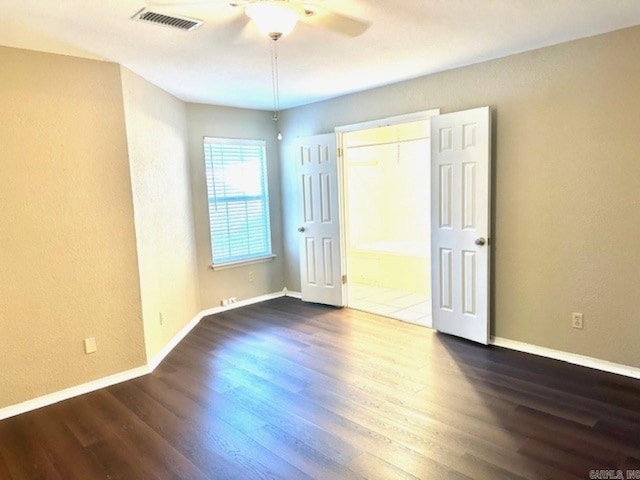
(90, 345)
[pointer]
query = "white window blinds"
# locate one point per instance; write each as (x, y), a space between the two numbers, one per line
(236, 174)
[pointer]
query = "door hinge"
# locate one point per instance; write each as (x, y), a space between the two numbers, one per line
(340, 152)
(344, 279)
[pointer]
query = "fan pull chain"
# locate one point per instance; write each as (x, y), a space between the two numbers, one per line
(275, 80)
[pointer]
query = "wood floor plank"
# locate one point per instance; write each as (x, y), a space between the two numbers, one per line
(4, 469)
(289, 390)
(282, 418)
(308, 459)
(194, 402)
(209, 445)
(214, 428)
(117, 459)
(155, 452)
(597, 447)
(262, 368)
(375, 468)
(355, 433)
(22, 451)
(433, 437)
(569, 463)
(82, 422)
(420, 425)
(62, 448)
(435, 447)
(632, 463)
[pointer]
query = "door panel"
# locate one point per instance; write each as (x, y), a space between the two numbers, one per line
(320, 262)
(307, 197)
(461, 155)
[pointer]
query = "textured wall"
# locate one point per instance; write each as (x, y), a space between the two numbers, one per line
(67, 242)
(210, 121)
(566, 184)
(157, 132)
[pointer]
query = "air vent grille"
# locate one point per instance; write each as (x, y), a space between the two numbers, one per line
(183, 23)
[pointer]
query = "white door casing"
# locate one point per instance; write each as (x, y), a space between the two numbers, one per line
(460, 220)
(319, 229)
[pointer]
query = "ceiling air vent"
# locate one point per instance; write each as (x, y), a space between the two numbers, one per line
(183, 23)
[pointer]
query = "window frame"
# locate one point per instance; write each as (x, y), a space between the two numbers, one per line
(231, 262)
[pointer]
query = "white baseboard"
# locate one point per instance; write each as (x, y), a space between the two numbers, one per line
(574, 358)
(166, 350)
(292, 294)
(242, 303)
(71, 392)
(152, 364)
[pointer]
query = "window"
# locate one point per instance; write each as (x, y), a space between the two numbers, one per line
(236, 174)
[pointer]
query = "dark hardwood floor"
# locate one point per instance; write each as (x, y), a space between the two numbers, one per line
(289, 390)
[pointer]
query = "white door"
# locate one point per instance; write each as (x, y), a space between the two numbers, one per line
(460, 220)
(319, 229)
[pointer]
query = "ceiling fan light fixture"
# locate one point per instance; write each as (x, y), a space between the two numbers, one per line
(275, 18)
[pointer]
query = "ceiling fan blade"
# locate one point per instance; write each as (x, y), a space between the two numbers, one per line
(349, 26)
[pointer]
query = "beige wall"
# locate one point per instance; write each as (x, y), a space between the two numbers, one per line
(566, 198)
(566, 184)
(67, 241)
(157, 131)
(225, 122)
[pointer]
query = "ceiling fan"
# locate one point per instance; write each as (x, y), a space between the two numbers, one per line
(277, 18)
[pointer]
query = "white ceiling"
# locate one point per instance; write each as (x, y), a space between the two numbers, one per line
(222, 64)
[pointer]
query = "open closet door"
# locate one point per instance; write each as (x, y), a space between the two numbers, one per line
(460, 221)
(319, 229)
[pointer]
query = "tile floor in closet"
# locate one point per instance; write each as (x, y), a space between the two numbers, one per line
(414, 307)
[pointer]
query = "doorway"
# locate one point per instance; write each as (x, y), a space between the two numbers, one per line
(387, 219)
(457, 149)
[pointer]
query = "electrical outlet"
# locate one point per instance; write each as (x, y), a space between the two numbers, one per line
(233, 300)
(161, 319)
(577, 320)
(252, 277)
(90, 345)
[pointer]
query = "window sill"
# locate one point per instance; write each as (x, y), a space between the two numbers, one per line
(226, 266)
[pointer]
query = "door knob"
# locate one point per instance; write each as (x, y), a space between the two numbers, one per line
(480, 241)
(301, 229)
